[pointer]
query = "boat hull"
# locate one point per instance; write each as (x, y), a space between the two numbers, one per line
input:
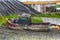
(32, 26)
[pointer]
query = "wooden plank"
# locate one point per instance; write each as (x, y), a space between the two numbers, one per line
(53, 2)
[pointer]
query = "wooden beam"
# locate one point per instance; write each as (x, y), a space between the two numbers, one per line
(42, 2)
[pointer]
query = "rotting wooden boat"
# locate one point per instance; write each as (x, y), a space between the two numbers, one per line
(31, 26)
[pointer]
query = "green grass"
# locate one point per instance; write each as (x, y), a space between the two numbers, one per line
(48, 15)
(3, 19)
(34, 18)
(38, 18)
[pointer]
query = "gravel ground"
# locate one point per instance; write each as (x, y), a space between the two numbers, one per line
(9, 34)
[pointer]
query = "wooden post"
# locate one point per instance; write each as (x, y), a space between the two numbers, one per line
(44, 8)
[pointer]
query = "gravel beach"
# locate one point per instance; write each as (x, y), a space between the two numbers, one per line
(9, 34)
